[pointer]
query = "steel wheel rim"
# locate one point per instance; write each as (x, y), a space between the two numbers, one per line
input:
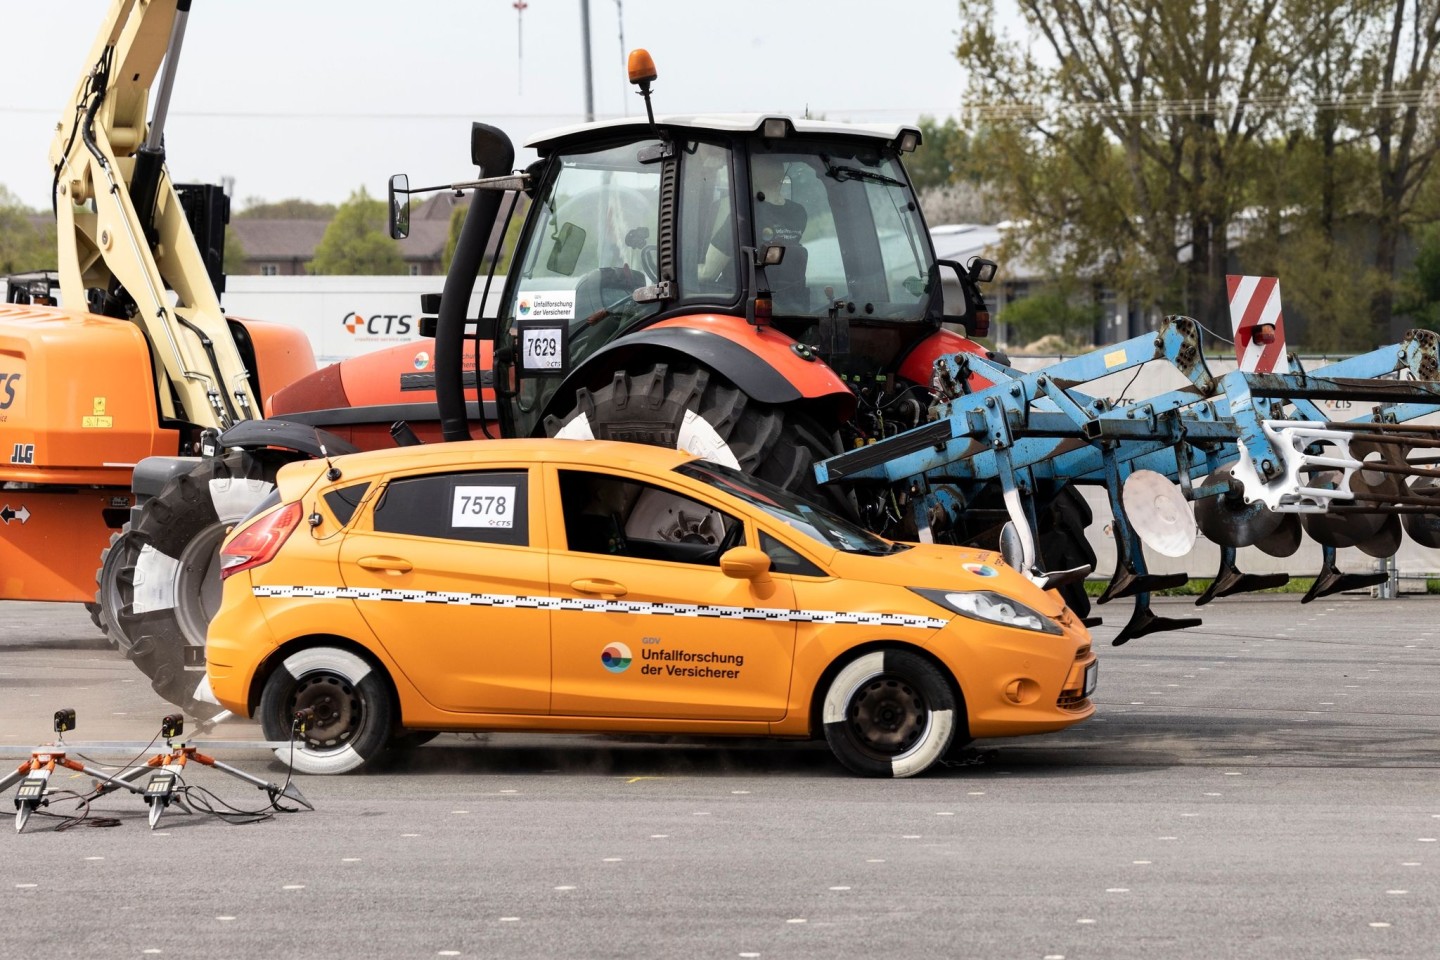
(338, 706)
(887, 716)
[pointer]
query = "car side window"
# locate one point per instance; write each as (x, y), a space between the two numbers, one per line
(623, 517)
(783, 559)
(344, 501)
(490, 506)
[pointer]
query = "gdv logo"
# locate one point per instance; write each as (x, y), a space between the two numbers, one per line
(7, 389)
(380, 324)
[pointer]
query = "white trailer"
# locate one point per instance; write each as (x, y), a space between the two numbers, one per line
(343, 316)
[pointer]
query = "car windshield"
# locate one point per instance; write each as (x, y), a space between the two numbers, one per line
(814, 521)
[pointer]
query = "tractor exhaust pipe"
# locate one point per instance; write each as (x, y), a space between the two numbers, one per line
(492, 151)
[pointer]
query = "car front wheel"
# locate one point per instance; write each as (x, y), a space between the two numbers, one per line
(889, 713)
(349, 699)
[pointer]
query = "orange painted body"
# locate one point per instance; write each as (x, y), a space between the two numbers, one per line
(77, 412)
(538, 665)
(919, 364)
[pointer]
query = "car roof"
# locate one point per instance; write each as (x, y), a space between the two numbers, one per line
(548, 140)
(478, 453)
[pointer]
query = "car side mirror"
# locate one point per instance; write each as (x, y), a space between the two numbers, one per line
(746, 563)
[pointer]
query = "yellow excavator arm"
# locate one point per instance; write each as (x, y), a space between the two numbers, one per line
(122, 229)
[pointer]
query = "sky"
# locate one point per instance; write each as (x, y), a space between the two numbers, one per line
(317, 98)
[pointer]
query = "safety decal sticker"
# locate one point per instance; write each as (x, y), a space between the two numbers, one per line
(588, 605)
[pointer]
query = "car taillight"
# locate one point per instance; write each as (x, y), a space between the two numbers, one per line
(258, 543)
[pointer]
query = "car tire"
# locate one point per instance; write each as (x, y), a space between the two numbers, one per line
(159, 581)
(890, 713)
(354, 716)
(775, 443)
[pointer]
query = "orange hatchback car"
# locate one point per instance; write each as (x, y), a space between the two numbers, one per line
(593, 586)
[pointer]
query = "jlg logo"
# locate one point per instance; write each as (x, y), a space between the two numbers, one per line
(24, 453)
(7, 389)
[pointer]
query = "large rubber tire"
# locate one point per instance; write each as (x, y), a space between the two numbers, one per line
(354, 715)
(119, 554)
(891, 713)
(650, 405)
(159, 582)
(1064, 546)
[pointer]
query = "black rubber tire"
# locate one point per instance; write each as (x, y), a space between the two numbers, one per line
(169, 562)
(891, 713)
(775, 443)
(353, 704)
(1063, 544)
(113, 558)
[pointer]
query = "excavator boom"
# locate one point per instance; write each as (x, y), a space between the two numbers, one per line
(126, 247)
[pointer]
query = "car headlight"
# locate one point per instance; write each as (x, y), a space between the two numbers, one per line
(991, 606)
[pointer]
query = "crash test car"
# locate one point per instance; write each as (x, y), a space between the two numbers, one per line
(583, 585)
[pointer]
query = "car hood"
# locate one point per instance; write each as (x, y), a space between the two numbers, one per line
(937, 567)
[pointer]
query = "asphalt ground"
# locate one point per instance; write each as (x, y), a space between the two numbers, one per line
(1264, 786)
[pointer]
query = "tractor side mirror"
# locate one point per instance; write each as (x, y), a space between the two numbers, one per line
(974, 315)
(399, 206)
(569, 242)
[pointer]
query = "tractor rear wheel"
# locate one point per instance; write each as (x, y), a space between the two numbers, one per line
(688, 407)
(159, 582)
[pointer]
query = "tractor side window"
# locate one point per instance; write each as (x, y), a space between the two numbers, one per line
(707, 230)
(590, 245)
(627, 518)
(489, 506)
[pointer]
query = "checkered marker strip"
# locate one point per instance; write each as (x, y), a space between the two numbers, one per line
(604, 606)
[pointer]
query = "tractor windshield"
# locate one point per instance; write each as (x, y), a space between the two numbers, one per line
(850, 226)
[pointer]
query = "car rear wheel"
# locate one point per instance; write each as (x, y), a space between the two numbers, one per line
(889, 713)
(351, 702)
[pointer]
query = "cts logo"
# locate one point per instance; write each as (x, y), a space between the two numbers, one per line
(379, 324)
(7, 389)
(615, 657)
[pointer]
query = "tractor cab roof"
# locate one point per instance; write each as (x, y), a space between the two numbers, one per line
(725, 123)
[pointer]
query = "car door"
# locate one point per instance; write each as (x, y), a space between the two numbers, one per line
(446, 572)
(648, 625)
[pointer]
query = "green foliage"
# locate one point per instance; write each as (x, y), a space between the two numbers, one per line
(943, 156)
(1421, 290)
(1145, 147)
(357, 242)
(234, 263)
(23, 247)
(1052, 312)
(293, 209)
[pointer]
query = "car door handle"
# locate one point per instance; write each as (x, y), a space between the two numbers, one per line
(387, 564)
(603, 588)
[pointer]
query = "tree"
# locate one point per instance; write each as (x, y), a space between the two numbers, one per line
(1125, 140)
(943, 156)
(23, 246)
(292, 209)
(356, 242)
(234, 253)
(1404, 61)
(1053, 313)
(1420, 294)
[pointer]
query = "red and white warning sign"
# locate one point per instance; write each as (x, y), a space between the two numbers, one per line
(1256, 321)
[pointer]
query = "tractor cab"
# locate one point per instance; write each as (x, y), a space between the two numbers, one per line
(805, 227)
